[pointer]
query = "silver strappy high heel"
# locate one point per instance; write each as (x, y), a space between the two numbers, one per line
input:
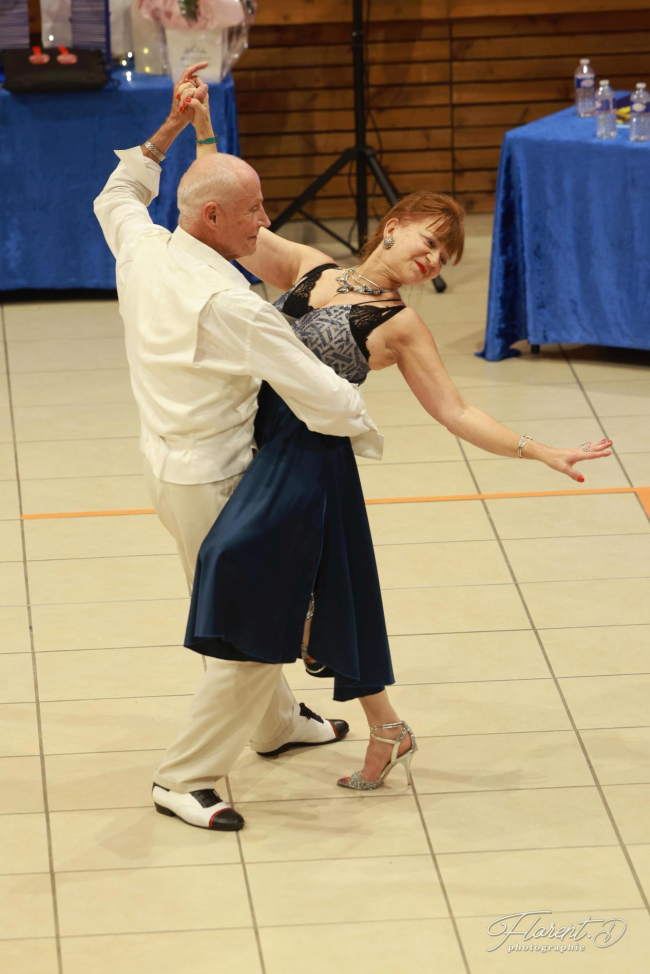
(357, 783)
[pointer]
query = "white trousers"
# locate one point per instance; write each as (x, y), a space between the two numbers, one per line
(236, 702)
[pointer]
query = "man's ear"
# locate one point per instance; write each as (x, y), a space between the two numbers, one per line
(211, 213)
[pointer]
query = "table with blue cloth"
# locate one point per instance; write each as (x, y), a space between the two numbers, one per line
(56, 154)
(571, 239)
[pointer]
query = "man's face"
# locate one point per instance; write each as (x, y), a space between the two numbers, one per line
(238, 221)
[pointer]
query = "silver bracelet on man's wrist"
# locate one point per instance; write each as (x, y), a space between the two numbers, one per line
(156, 153)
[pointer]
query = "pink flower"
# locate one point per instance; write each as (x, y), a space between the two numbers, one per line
(211, 14)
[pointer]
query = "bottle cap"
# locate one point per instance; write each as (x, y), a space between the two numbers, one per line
(604, 82)
(641, 84)
(585, 60)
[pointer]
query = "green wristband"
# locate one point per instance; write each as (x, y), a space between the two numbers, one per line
(212, 141)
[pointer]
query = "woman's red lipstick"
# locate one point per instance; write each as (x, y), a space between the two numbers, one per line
(422, 268)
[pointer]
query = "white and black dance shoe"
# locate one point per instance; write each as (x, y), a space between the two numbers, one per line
(310, 730)
(203, 808)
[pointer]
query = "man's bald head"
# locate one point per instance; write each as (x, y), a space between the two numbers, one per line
(220, 203)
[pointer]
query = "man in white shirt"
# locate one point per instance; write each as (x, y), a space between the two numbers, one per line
(199, 342)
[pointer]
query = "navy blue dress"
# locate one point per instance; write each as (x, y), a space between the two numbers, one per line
(297, 524)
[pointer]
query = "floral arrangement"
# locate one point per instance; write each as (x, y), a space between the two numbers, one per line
(194, 14)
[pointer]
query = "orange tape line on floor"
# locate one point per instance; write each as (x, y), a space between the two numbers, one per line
(643, 494)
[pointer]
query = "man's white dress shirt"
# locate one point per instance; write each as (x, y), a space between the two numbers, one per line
(199, 342)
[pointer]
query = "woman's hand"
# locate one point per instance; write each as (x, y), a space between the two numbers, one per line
(564, 460)
(189, 94)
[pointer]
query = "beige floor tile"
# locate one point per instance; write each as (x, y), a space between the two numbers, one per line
(200, 951)
(491, 884)
(530, 402)
(417, 444)
(505, 475)
(36, 423)
(145, 900)
(467, 370)
(67, 355)
(8, 500)
(96, 537)
(488, 762)
(608, 701)
(130, 838)
(638, 468)
(598, 650)
(106, 579)
(16, 678)
(284, 831)
(640, 856)
(4, 388)
(629, 947)
(417, 565)
(616, 602)
(554, 432)
(416, 480)
(558, 559)
(620, 755)
(291, 892)
(467, 608)
(480, 708)
(23, 844)
(6, 434)
(63, 319)
(27, 906)
(625, 397)
(629, 805)
(18, 730)
(134, 724)
(79, 458)
(416, 523)
(14, 629)
(21, 786)
(594, 364)
(396, 408)
(11, 542)
(524, 819)
(7, 462)
(73, 494)
(29, 956)
(309, 773)
(12, 583)
(384, 380)
(425, 946)
(562, 517)
(71, 388)
(113, 779)
(101, 673)
(630, 434)
(101, 625)
(467, 656)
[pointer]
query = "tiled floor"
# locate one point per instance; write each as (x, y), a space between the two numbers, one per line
(520, 630)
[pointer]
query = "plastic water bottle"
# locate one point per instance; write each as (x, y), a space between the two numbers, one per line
(640, 114)
(585, 80)
(605, 112)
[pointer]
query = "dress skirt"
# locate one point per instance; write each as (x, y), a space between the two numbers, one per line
(296, 524)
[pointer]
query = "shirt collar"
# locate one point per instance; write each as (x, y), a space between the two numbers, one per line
(188, 243)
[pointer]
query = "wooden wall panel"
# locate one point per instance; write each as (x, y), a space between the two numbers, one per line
(445, 83)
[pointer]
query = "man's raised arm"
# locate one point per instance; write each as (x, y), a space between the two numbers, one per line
(121, 207)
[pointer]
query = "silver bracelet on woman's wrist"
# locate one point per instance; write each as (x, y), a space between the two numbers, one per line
(522, 443)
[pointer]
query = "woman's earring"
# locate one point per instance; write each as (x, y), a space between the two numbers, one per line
(389, 241)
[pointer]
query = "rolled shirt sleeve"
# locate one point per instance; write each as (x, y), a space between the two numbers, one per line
(121, 207)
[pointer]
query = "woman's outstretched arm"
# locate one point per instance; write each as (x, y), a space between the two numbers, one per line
(411, 345)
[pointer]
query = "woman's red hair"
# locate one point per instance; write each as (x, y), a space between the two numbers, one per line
(446, 217)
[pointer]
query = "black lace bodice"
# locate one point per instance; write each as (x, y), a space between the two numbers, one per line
(337, 333)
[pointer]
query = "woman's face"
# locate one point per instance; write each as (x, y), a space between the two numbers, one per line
(417, 254)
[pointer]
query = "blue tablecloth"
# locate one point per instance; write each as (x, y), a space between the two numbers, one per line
(571, 240)
(56, 153)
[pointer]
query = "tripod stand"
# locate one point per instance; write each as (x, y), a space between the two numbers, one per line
(364, 155)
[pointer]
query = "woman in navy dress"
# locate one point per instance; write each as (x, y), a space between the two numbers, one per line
(288, 569)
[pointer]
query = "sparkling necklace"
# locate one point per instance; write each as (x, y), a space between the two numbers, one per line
(362, 283)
